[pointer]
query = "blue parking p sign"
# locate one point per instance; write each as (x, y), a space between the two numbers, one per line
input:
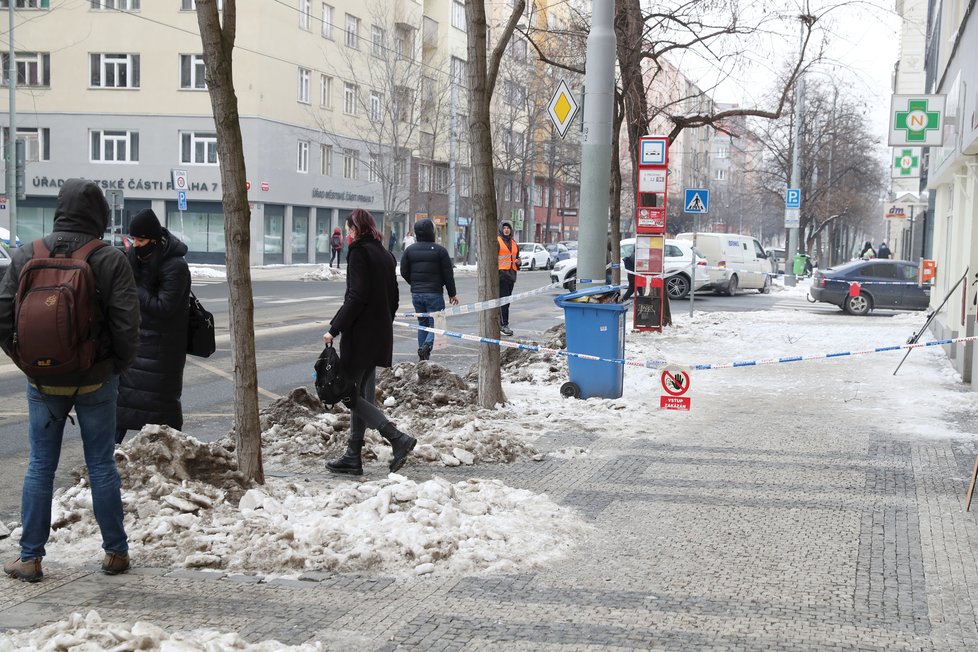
(792, 198)
(181, 200)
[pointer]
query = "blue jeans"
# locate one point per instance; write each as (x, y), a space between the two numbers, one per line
(427, 302)
(47, 415)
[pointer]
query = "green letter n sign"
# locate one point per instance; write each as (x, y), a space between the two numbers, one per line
(917, 120)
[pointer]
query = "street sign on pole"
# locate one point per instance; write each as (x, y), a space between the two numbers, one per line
(792, 198)
(562, 108)
(182, 200)
(180, 179)
(792, 218)
(697, 200)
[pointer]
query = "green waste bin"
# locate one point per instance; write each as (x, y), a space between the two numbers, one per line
(798, 268)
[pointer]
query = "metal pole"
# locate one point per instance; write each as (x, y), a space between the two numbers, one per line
(692, 269)
(11, 157)
(789, 254)
(596, 145)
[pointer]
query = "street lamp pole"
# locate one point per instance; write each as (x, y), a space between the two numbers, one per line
(789, 279)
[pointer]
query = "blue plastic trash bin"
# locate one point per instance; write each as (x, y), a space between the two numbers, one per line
(596, 329)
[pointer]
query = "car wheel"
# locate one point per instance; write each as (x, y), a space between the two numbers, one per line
(767, 286)
(677, 286)
(732, 285)
(859, 305)
(533, 264)
(571, 286)
(550, 264)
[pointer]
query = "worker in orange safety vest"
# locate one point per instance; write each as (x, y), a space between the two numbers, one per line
(509, 264)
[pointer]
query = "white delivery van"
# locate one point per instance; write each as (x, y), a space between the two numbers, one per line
(736, 261)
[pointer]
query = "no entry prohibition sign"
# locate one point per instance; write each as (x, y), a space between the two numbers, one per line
(675, 384)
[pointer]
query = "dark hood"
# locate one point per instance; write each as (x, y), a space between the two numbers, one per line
(174, 246)
(425, 230)
(511, 234)
(81, 208)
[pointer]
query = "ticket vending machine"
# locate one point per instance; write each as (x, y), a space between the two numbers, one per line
(650, 232)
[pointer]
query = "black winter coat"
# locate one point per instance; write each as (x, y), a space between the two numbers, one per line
(82, 215)
(365, 320)
(149, 392)
(427, 265)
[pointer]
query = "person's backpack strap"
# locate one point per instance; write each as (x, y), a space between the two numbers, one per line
(40, 249)
(86, 250)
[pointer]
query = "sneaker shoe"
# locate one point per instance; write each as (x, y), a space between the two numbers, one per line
(25, 570)
(115, 564)
(506, 330)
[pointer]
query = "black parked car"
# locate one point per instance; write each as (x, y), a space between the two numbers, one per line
(882, 284)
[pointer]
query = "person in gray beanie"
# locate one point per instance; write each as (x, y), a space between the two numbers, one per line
(150, 390)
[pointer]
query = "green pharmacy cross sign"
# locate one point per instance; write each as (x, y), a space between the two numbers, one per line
(906, 163)
(917, 120)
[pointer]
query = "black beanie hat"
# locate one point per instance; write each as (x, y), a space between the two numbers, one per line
(146, 225)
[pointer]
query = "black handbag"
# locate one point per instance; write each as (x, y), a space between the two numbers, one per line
(200, 330)
(332, 384)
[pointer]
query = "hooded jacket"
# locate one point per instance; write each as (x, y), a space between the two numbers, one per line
(150, 390)
(426, 265)
(82, 215)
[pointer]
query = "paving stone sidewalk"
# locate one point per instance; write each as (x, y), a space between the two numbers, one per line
(744, 526)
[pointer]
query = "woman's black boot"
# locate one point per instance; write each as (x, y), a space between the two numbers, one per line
(350, 463)
(400, 442)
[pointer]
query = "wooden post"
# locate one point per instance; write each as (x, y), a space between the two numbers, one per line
(971, 486)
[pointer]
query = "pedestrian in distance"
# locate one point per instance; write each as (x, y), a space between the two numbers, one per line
(81, 216)
(365, 326)
(336, 247)
(629, 267)
(427, 267)
(867, 251)
(509, 265)
(322, 243)
(392, 242)
(408, 240)
(150, 390)
(883, 252)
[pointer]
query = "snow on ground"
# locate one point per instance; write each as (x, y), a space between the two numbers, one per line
(91, 634)
(201, 271)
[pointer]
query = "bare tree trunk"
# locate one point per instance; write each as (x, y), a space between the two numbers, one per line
(218, 43)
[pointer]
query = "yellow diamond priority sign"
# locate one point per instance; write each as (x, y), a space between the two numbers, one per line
(562, 108)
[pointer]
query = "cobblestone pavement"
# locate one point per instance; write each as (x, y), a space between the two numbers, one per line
(740, 526)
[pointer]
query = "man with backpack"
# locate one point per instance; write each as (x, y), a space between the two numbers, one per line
(69, 318)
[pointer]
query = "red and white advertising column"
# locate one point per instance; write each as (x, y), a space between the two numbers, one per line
(650, 232)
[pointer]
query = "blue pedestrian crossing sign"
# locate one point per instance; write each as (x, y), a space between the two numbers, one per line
(181, 200)
(697, 200)
(792, 198)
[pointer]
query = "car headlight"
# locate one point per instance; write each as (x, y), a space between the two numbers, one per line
(560, 266)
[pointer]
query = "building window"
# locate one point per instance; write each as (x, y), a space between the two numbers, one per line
(723, 151)
(115, 146)
(376, 106)
(351, 168)
(377, 41)
(402, 42)
(37, 143)
(327, 21)
(302, 157)
(373, 168)
(326, 160)
(518, 48)
(424, 177)
(198, 147)
(403, 103)
(441, 179)
(458, 71)
(352, 31)
(33, 68)
(305, 9)
(513, 93)
(192, 72)
(326, 91)
(349, 98)
(458, 14)
(400, 170)
(191, 5)
(115, 70)
(464, 183)
(720, 174)
(121, 5)
(26, 4)
(303, 93)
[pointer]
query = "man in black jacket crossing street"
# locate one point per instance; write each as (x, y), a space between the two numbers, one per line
(427, 266)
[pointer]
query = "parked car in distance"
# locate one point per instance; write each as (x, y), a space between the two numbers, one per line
(882, 284)
(4, 261)
(776, 256)
(735, 261)
(676, 259)
(558, 252)
(533, 255)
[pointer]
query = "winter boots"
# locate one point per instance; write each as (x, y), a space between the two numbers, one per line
(350, 463)
(400, 443)
(25, 570)
(424, 352)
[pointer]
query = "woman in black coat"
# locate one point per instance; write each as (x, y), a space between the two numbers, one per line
(150, 390)
(365, 321)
